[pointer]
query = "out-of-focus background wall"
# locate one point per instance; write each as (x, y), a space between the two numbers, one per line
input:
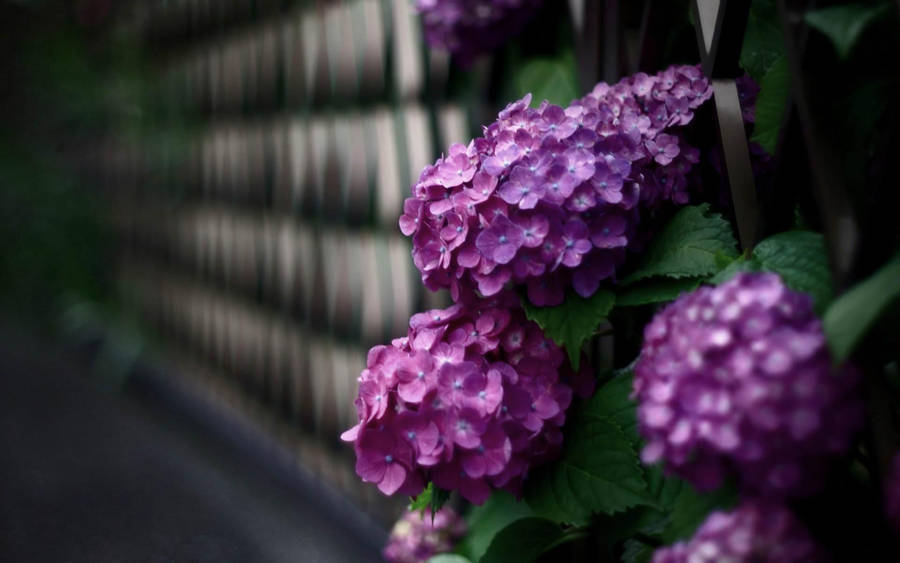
(215, 186)
(257, 218)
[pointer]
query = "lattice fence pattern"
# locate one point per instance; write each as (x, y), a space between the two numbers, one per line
(259, 224)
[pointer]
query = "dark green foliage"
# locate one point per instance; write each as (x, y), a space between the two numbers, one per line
(573, 322)
(486, 520)
(524, 540)
(800, 259)
(655, 290)
(771, 103)
(432, 499)
(551, 79)
(599, 471)
(852, 315)
(844, 24)
(694, 243)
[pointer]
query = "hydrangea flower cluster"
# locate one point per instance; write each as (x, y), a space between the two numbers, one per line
(468, 399)
(756, 531)
(468, 28)
(552, 197)
(418, 536)
(738, 378)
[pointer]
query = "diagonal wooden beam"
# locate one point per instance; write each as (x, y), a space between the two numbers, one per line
(720, 35)
(736, 152)
(720, 32)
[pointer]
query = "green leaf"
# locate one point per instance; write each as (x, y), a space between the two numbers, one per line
(650, 521)
(692, 244)
(423, 500)
(739, 264)
(770, 104)
(524, 541)
(655, 290)
(484, 521)
(438, 499)
(680, 509)
(448, 558)
(665, 489)
(612, 401)
(690, 508)
(844, 24)
(432, 497)
(599, 470)
(853, 313)
(799, 257)
(636, 552)
(554, 80)
(763, 40)
(599, 474)
(574, 321)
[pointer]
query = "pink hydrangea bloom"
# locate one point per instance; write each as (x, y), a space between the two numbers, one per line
(470, 399)
(417, 536)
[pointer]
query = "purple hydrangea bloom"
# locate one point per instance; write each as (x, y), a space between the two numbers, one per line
(553, 197)
(738, 378)
(500, 242)
(468, 28)
(417, 537)
(757, 531)
(472, 398)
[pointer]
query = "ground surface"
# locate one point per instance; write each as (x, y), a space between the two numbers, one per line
(88, 475)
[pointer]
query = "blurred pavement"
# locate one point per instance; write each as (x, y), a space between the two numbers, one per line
(88, 475)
